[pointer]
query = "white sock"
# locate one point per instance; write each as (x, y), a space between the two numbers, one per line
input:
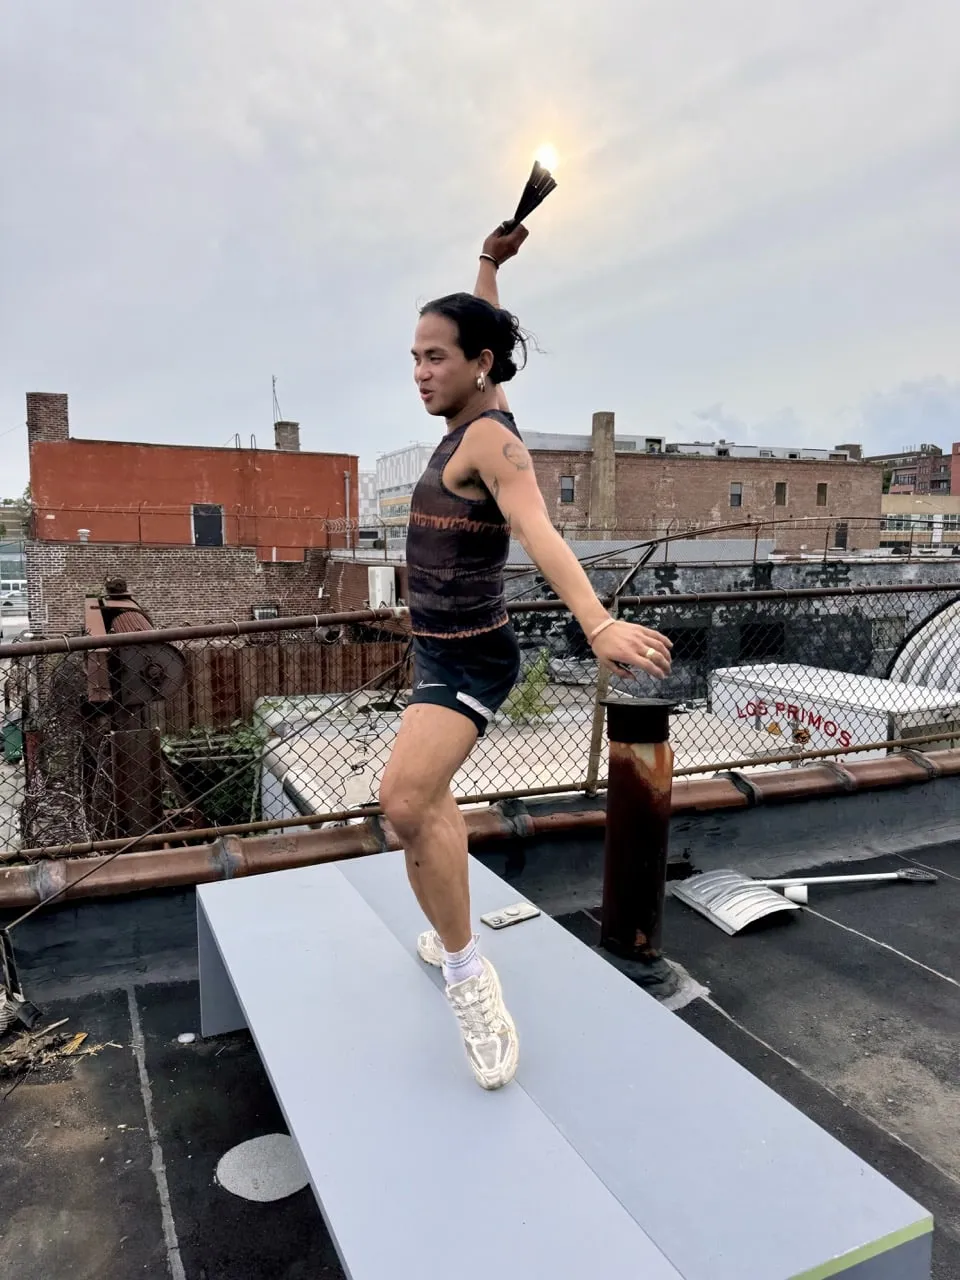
(458, 966)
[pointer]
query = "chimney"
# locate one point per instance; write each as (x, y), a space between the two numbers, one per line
(287, 436)
(47, 417)
(603, 474)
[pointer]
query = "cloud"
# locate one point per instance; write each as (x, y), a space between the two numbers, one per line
(914, 413)
(756, 209)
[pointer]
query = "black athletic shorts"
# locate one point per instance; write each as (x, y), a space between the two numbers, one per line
(469, 674)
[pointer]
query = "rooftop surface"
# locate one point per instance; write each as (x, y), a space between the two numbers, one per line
(851, 1011)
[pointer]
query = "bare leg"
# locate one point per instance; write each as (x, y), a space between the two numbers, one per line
(415, 794)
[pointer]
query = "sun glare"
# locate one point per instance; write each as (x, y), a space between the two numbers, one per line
(547, 156)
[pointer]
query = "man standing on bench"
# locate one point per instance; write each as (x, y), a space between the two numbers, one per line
(478, 486)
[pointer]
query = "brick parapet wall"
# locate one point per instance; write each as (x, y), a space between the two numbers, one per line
(177, 586)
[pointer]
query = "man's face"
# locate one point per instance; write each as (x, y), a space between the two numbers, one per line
(444, 376)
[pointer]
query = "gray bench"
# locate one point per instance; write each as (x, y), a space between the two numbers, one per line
(628, 1144)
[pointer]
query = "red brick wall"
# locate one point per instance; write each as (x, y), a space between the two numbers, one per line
(661, 491)
(177, 586)
(550, 466)
(143, 493)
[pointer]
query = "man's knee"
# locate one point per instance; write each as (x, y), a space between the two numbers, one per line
(404, 805)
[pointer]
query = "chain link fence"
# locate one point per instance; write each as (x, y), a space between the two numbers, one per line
(177, 733)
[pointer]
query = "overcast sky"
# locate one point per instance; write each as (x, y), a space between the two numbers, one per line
(756, 232)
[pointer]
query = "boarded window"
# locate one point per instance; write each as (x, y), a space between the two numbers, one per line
(207, 525)
(821, 495)
(780, 494)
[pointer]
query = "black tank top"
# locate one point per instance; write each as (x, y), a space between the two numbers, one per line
(456, 550)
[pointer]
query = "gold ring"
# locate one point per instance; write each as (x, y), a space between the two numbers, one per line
(651, 654)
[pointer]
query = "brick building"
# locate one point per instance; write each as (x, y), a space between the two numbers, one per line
(924, 470)
(200, 534)
(609, 490)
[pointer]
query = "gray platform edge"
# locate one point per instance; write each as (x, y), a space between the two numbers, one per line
(382, 884)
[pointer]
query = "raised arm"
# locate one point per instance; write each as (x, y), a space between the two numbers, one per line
(504, 465)
(500, 247)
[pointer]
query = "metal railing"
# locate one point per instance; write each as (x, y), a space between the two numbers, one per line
(251, 726)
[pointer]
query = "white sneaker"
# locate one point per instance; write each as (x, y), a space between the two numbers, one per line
(430, 948)
(489, 1035)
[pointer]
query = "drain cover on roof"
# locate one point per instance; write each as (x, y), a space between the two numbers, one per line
(264, 1169)
(730, 899)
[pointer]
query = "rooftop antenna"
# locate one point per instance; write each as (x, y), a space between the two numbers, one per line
(277, 415)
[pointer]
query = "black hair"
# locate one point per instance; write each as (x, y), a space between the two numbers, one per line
(483, 327)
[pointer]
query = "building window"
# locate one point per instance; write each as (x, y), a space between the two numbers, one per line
(207, 525)
(567, 489)
(840, 536)
(689, 643)
(761, 641)
(821, 495)
(780, 494)
(736, 494)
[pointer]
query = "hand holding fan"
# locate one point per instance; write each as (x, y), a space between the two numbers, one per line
(539, 185)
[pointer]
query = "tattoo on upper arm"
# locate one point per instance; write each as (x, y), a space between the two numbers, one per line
(517, 454)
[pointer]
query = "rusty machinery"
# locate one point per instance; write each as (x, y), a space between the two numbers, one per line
(122, 684)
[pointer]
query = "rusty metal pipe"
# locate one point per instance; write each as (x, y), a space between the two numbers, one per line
(206, 834)
(23, 887)
(179, 839)
(193, 834)
(638, 828)
(310, 621)
(744, 597)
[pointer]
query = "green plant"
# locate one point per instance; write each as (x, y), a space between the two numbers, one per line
(526, 703)
(219, 771)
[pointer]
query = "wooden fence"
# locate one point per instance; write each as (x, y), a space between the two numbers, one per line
(224, 681)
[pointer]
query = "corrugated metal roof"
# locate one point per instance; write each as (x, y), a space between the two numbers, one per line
(931, 657)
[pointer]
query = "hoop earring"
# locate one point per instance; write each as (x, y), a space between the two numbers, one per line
(481, 381)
